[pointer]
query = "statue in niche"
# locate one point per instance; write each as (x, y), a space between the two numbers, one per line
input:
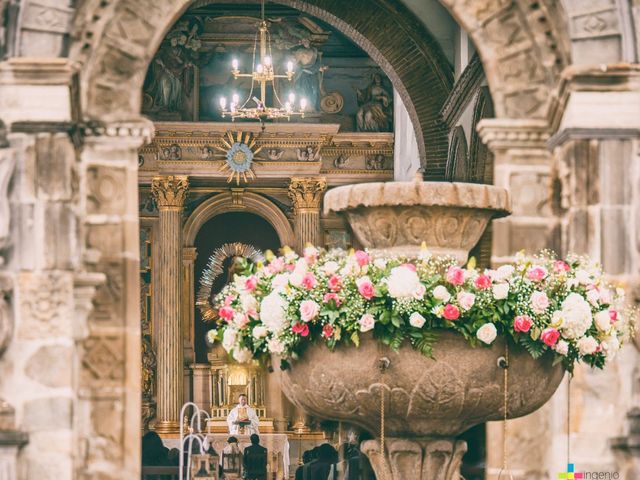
(375, 110)
(307, 76)
(171, 75)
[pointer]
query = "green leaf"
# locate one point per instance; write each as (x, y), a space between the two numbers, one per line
(396, 321)
(425, 344)
(535, 349)
(355, 338)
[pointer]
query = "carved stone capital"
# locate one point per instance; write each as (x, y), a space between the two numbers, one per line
(420, 458)
(170, 191)
(307, 192)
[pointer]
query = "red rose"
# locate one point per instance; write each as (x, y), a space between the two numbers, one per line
(451, 312)
(226, 313)
(550, 336)
(301, 329)
(482, 282)
(522, 323)
(560, 266)
(327, 330)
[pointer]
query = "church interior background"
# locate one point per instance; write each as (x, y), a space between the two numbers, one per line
(115, 192)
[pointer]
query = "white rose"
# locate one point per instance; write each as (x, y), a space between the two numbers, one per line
(562, 347)
(380, 263)
(309, 310)
(272, 312)
(403, 282)
(248, 302)
(212, 335)
(229, 339)
(583, 277)
(367, 322)
(417, 320)
(466, 300)
(487, 333)
(295, 278)
(593, 297)
(259, 331)
(504, 273)
(610, 346)
(275, 346)
(587, 345)
(605, 296)
(603, 320)
(441, 293)
(500, 291)
(539, 302)
(280, 281)
(330, 268)
(242, 355)
(576, 314)
(470, 274)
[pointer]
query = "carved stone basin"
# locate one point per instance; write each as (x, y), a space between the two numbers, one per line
(427, 401)
(398, 216)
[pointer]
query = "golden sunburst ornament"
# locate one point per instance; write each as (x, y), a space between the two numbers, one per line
(240, 152)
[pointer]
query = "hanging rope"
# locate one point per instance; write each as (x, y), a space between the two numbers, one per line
(503, 362)
(383, 365)
(569, 419)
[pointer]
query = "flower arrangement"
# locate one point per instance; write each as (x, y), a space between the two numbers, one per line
(540, 302)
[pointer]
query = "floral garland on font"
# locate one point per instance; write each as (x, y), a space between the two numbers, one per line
(540, 302)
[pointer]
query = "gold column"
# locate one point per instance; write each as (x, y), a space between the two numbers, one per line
(189, 256)
(169, 193)
(306, 194)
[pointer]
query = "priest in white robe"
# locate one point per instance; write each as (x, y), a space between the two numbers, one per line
(242, 420)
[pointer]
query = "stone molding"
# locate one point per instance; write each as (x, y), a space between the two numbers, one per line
(501, 134)
(170, 191)
(36, 71)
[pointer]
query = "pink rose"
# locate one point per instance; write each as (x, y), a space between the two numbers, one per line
(482, 282)
(455, 275)
(251, 283)
(613, 315)
(522, 323)
(309, 281)
(365, 288)
(536, 273)
(420, 291)
(466, 300)
(367, 322)
(327, 331)
(241, 320)
(539, 302)
(451, 312)
(410, 266)
(550, 336)
(290, 267)
(362, 258)
(301, 329)
(335, 283)
(276, 265)
(559, 266)
(309, 310)
(332, 296)
(228, 299)
(226, 313)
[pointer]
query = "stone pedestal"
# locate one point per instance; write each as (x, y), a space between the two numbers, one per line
(432, 458)
(170, 193)
(306, 195)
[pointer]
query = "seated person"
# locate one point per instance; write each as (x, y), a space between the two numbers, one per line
(307, 458)
(324, 467)
(231, 458)
(154, 453)
(255, 460)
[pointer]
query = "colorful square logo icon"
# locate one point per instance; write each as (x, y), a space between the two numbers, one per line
(570, 474)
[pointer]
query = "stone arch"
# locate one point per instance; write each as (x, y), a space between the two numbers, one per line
(250, 202)
(480, 157)
(458, 164)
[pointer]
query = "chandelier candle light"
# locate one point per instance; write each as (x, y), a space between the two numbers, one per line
(263, 73)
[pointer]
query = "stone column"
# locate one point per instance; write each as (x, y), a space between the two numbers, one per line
(169, 193)
(306, 195)
(189, 256)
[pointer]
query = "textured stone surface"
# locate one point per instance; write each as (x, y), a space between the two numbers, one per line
(399, 216)
(462, 387)
(50, 365)
(48, 413)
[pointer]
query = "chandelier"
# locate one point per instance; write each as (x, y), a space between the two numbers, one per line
(263, 74)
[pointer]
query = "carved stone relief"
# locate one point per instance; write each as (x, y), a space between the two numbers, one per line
(45, 303)
(106, 190)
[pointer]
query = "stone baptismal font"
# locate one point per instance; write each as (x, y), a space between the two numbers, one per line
(425, 402)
